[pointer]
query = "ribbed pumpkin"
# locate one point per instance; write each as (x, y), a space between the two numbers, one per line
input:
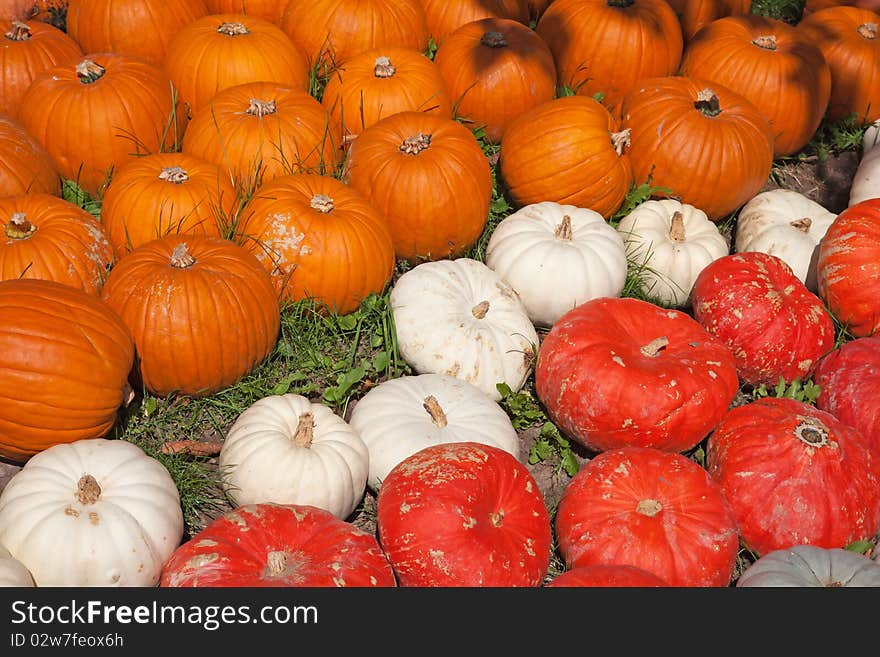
(271, 10)
(49, 238)
(381, 82)
(333, 31)
(319, 239)
(708, 145)
(25, 166)
(202, 311)
(695, 14)
(260, 130)
(445, 17)
(428, 177)
(27, 49)
(94, 116)
(64, 364)
(569, 150)
(164, 193)
(219, 51)
(849, 40)
(608, 46)
(495, 69)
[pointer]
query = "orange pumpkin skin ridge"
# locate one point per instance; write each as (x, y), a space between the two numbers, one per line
(445, 17)
(25, 166)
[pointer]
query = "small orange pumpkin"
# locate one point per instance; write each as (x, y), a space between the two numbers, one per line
(25, 166)
(445, 17)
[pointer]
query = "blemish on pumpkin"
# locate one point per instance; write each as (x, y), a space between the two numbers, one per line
(70, 511)
(618, 360)
(339, 582)
(201, 560)
(94, 518)
(405, 508)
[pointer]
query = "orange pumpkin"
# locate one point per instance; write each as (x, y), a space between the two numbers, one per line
(428, 177)
(65, 358)
(693, 15)
(569, 150)
(219, 51)
(319, 239)
(53, 12)
(202, 310)
(771, 64)
(495, 69)
(165, 193)
(537, 8)
(261, 130)
(707, 144)
(95, 116)
(29, 49)
(271, 10)
(25, 166)
(445, 17)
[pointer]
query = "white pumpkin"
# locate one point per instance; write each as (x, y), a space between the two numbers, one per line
(460, 318)
(671, 242)
(288, 450)
(401, 416)
(557, 257)
(93, 512)
(12, 571)
(788, 225)
(866, 180)
(808, 565)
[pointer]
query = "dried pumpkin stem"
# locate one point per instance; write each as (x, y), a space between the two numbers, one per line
(620, 140)
(276, 563)
(767, 42)
(87, 490)
(493, 39)
(676, 230)
(655, 346)
(305, 431)
(563, 230)
(322, 203)
(181, 257)
(383, 68)
(479, 311)
(176, 175)
(438, 417)
(812, 432)
(649, 507)
(802, 225)
(18, 32)
(867, 30)
(88, 71)
(707, 103)
(260, 108)
(497, 518)
(18, 227)
(233, 29)
(415, 144)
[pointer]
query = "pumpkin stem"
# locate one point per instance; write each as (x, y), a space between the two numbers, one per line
(676, 230)
(620, 140)
(655, 346)
(438, 417)
(649, 507)
(802, 225)
(497, 518)
(493, 39)
(415, 144)
(88, 71)
(232, 29)
(276, 563)
(868, 30)
(708, 104)
(383, 68)
(620, 4)
(260, 108)
(304, 431)
(176, 175)
(766, 42)
(563, 230)
(18, 32)
(181, 257)
(19, 227)
(812, 432)
(322, 203)
(87, 490)
(479, 311)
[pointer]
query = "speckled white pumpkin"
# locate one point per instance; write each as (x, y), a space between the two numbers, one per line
(866, 180)
(288, 450)
(788, 225)
(557, 257)
(12, 571)
(460, 318)
(93, 512)
(671, 242)
(400, 416)
(808, 565)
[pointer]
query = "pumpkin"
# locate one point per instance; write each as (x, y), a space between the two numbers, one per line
(117, 508)
(460, 318)
(64, 363)
(620, 372)
(53, 12)
(786, 224)
(401, 416)
(12, 571)
(25, 166)
(380, 82)
(701, 142)
(606, 575)
(445, 17)
(864, 181)
(114, 108)
(271, 10)
(319, 239)
(772, 323)
(28, 49)
(848, 39)
(848, 268)
(693, 15)
(218, 51)
(142, 28)
(50, 238)
(202, 311)
(608, 46)
(288, 450)
(263, 545)
(848, 378)
(770, 63)
(570, 151)
(463, 514)
(537, 8)
(649, 509)
(557, 257)
(495, 69)
(428, 177)
(258, 131)
(670, 243)
(811, 566)
(793, 475)
(164, 193)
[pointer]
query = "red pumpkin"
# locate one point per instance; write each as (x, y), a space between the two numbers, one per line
(650, 509)
(795, 475)
(759, 308)
(618, 372)
(25, 166)
(262, 545)
(445, 17)
(848, 268)
(606, 575)
(463, 514)
(64, 363)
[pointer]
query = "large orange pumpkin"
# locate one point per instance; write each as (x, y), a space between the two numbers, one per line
(319, 239)
(65, 358)
(428, 177)
(25, 166)
(693, 15)
(445, 17)
(271, 10)
(202, 310)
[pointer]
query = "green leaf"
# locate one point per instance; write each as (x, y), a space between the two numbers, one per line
(149, 406)
(570, 463)
(862, 547)
(381, 361)
(540, 451)
(347, 322)
(503, 390)
(283, 386)
(699, 456)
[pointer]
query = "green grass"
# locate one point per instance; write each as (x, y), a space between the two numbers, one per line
(789, 11)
